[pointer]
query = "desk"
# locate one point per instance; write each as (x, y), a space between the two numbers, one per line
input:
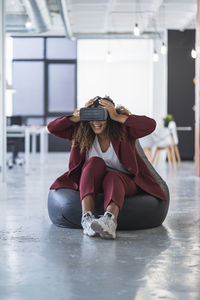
(26, 132)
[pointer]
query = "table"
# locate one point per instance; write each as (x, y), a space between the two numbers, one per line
(26, 132)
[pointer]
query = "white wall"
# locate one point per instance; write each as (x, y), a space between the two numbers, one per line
(131, 79)
(2, 95)
(128, 79)
(9, 93)
(159, 109)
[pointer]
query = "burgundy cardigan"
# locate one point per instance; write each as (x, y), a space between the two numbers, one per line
(134, 127)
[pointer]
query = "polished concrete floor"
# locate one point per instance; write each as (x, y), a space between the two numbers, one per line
(39, 261)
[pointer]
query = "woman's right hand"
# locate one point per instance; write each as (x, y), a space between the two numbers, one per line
(76, 116)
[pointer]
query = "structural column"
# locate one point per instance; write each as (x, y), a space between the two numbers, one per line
(197, 94)
(2, 94)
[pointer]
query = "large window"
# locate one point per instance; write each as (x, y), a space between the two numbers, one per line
(44, 77)
(61, 92)
(28, 80)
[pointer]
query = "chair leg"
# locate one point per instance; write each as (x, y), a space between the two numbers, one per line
(154, 156)
(147, 152)
(169, 157)
(178, 155)
(173, 157)
(157, 157)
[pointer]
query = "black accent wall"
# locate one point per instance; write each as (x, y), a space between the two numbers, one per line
(181, 96)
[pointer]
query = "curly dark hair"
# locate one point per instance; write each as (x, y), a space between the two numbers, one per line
(84, 135)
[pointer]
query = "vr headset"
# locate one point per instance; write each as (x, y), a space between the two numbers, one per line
(94, 113)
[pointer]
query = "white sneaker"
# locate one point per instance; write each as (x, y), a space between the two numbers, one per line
(105, 226)
(86, 221)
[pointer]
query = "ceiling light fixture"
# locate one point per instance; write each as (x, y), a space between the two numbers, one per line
(136, 30)
(163, 49)
(193, 53)
(10, 88)
(28, 25)
(155, 56)
(109, 57)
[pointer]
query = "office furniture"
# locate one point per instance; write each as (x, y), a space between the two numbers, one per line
(27, 132)
(13, 143)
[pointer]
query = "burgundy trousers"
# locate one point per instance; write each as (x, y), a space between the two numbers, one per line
(114, 184)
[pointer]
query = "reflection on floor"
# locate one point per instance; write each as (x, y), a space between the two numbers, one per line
(41, 261)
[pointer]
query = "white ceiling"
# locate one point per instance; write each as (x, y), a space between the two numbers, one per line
(100, 18)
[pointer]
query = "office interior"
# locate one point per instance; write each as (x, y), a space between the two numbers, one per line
(55, 56)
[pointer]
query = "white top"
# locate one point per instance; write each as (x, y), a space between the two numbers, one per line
(111, 160)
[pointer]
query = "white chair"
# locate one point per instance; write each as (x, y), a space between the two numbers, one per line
(163, 142)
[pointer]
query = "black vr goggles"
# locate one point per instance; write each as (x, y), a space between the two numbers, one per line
(95, 113)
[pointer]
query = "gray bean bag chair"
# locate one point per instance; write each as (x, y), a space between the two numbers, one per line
(139, 212)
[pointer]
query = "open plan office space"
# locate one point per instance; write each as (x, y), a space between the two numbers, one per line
(55, 56)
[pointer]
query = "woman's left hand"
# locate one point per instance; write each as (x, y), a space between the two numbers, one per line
(110, 108)
(112, 112)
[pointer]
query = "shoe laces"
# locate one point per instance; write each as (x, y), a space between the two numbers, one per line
(87, 216)
(108, 216)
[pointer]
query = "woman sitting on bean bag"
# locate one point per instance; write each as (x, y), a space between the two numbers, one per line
(104, 159)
